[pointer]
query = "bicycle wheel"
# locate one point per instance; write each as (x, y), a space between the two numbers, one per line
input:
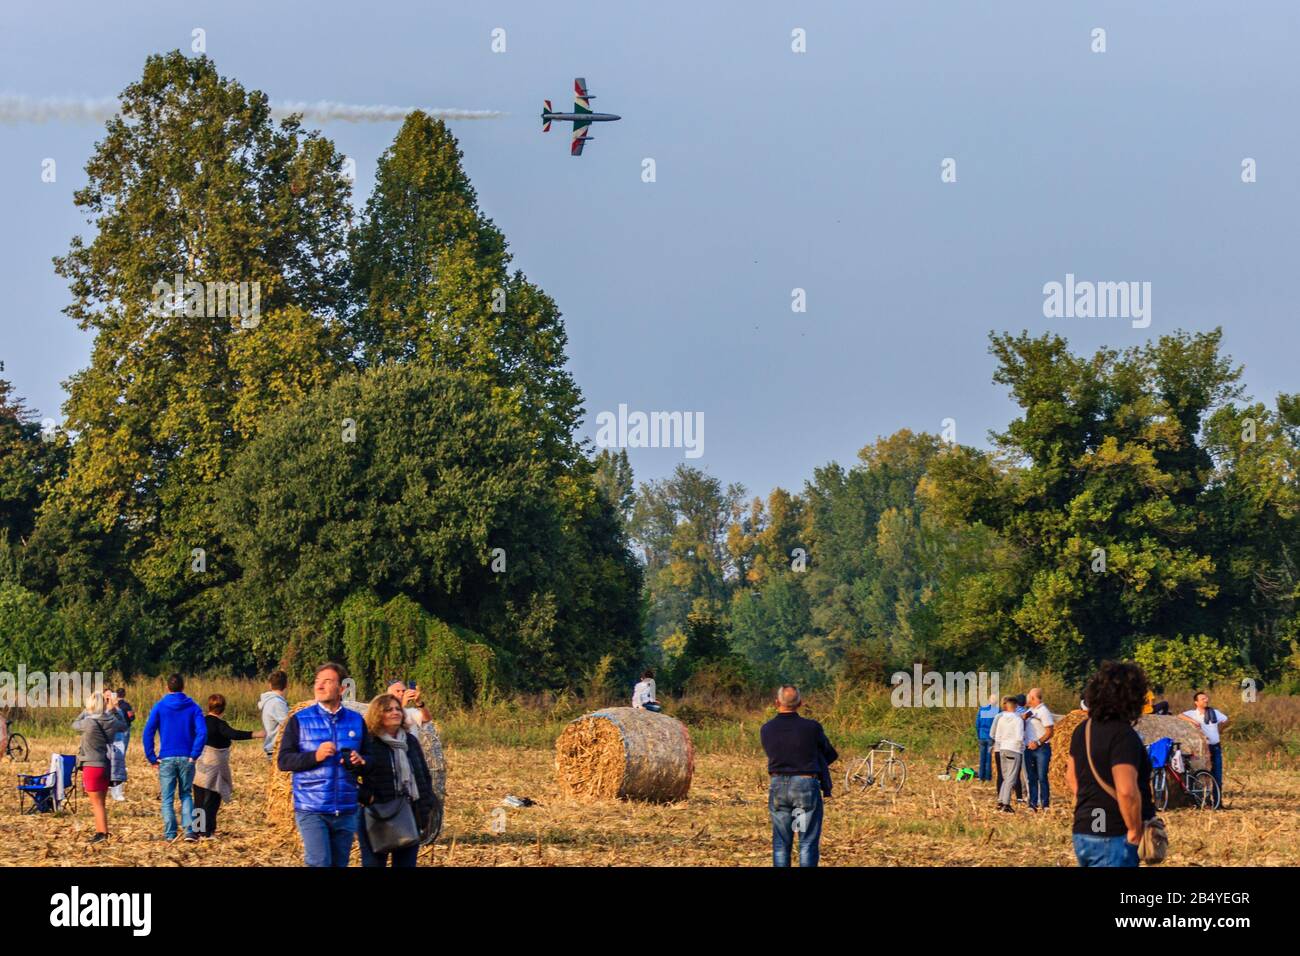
(1160, 788)
(1203, 790)
(18, 747)
(891, 781)
(858, 776)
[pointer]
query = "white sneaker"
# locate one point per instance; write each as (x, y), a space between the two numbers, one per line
(117, 793)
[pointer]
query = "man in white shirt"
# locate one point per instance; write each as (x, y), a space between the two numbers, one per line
(1008, 736)
(1038, 749)
(643, 695)
(1211, 722)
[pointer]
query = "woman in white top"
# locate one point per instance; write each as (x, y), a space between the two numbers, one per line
(1211, 722)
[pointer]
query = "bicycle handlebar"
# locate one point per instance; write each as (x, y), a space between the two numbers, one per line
(883, 742)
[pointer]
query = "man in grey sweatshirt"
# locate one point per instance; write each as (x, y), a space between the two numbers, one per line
(275, 710)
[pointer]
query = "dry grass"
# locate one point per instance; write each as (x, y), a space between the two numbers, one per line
(723, 822)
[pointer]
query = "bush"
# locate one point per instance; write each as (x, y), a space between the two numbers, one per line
(452, 666)
(1197, 661)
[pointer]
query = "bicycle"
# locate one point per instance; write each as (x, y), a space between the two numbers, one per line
(16, 748)
(863, 774)
(1198, 786)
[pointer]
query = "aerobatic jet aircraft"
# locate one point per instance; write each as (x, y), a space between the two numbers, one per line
(582, 117)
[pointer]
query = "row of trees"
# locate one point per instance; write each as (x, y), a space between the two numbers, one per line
(1137, 507)
(383, 462)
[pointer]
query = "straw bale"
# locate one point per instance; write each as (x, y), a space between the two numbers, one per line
(626, 753)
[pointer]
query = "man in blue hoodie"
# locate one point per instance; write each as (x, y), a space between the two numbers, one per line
(178, 721)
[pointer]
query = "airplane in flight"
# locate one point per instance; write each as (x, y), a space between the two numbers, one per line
(582, 117)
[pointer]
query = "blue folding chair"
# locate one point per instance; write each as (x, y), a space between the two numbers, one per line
(42, 790)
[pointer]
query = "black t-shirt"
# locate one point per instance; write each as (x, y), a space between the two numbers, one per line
(1113, 742)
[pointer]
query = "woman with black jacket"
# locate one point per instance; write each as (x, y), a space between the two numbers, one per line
(394, 766)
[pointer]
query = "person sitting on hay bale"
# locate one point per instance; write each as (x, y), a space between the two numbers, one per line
(643, 695)
(798, 754)
(393, 769)
(319, 745)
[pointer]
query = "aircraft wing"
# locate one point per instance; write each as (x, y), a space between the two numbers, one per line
(580, 131)
(580, 96)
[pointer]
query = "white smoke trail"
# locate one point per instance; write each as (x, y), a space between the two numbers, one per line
(15, 108)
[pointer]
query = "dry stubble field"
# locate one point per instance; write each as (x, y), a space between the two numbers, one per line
(723, 823)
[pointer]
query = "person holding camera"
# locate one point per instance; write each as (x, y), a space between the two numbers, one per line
(319, 745)
(98, 724)
(413, 706)
(394, 776)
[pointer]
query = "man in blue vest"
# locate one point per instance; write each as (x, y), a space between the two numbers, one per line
(321, 746)
(983, 723)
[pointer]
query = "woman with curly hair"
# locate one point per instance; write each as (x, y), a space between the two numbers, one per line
(1109, 771)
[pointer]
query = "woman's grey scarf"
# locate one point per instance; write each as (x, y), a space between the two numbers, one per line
(405, 780)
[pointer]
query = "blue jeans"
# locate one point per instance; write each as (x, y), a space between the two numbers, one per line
(326, 837)
(1216, 764)
(1093, 850)
(404, 857)
(173, 773)
(796, 806)
(986, 760)
(1036, 762)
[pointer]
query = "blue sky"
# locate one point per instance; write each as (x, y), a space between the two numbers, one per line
(775, 171)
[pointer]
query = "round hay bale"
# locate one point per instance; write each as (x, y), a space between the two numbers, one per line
(1065, 726)
(279, 786)
(626, 753)
(1150, 728)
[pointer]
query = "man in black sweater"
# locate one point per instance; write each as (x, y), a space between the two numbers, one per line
(798, 754)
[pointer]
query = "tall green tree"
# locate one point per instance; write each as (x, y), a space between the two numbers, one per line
(1100, 491)
(680, 524)
(413, 481)
(193, 179)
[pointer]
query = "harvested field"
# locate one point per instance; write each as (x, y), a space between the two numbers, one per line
(723, 821)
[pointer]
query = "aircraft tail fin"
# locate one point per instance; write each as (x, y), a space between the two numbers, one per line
(546, 123)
